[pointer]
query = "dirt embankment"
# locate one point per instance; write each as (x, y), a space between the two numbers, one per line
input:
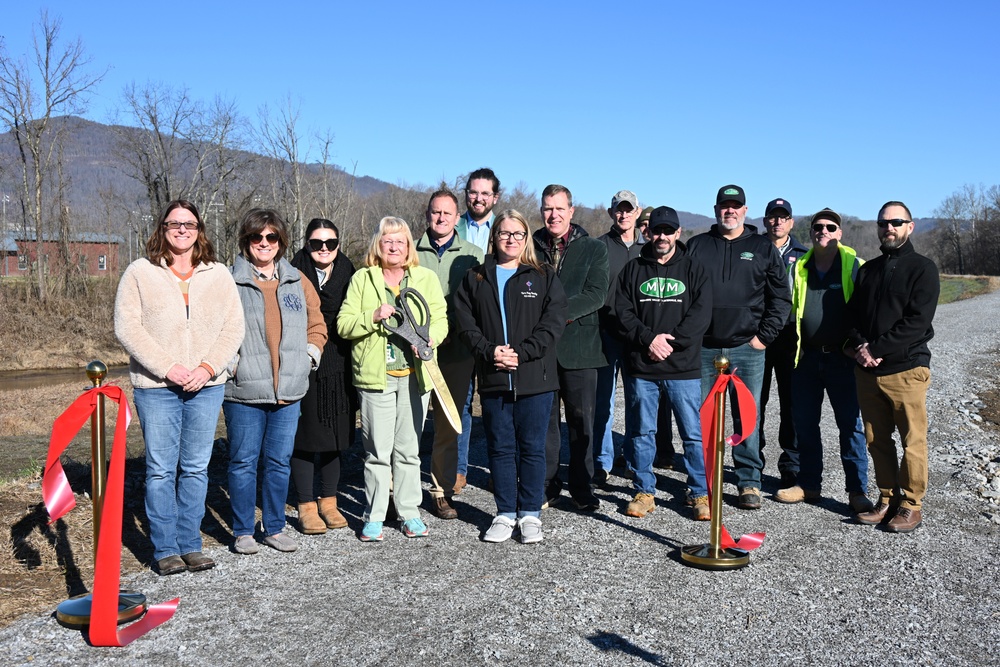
(62, 332)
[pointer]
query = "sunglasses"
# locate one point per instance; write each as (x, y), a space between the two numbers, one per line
(829, 227)
(257, 238)
(317, 244)
(897, 222)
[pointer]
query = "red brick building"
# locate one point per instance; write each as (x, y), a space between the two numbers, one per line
(90, 253)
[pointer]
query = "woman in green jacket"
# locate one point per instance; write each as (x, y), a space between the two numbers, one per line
(392, 383)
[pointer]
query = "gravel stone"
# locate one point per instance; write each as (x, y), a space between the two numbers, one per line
(606, 589)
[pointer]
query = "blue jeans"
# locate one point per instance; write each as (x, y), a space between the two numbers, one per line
(256, 430)
(833, 372)
(178, 427)
(749, 365)
(463, 437)
(515, 444)
(643, 406)
(604, 409)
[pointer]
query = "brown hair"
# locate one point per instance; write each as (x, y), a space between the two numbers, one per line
(158, 248)
(256, 221)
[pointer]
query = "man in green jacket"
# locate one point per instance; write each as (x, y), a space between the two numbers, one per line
(441, 250)
(581, 262)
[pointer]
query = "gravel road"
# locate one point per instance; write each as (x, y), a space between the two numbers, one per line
(607, 589)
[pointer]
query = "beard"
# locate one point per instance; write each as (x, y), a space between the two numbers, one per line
(895, 242)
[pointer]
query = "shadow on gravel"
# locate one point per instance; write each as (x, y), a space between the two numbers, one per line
(610, 641)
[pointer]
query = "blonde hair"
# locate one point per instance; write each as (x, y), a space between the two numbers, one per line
(527, 256)
(391, 225)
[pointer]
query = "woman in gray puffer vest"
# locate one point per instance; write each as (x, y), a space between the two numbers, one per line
(285, 332)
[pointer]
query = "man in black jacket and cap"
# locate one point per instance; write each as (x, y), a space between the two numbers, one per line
(750, 305)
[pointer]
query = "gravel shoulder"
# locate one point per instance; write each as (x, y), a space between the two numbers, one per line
(607, 589)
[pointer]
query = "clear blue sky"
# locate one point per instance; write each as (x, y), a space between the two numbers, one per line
(844, 104)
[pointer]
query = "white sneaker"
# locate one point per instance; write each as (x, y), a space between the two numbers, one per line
(500, 530)
(531, 529)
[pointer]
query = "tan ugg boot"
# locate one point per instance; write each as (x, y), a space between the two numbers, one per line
(331, 515)
(309, 521)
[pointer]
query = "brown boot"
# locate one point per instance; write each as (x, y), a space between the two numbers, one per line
(328, 510)
(309, 521)
(459, 484)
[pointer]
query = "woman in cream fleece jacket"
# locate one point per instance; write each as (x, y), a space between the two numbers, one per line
(178, 315)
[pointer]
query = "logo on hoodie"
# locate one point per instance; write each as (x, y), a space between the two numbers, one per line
(746, 255)
(662, 287)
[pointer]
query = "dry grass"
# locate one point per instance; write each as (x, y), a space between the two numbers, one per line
(64, 332)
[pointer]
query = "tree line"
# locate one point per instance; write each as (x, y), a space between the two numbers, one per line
(171, 145)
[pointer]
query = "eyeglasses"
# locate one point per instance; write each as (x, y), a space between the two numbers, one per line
(830, 227)
(779, 218)
(895, 222)
(257, 238)
(317, 244)
(472, 194)
(176, 224)
(392, 242)
(517, 236)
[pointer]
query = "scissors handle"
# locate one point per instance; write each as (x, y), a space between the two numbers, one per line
(409, 328)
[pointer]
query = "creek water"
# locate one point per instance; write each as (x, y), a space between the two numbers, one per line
(21, 380)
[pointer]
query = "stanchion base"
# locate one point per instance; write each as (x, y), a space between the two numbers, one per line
(707, 557)
(75, 612)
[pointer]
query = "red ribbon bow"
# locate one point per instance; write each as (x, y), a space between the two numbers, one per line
(59, 500)
(747, 409)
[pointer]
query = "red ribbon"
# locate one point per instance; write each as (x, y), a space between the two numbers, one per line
(58, 498)
(747, 409)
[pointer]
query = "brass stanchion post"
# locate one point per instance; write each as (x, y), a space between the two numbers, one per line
(75, 612)
(713, 556)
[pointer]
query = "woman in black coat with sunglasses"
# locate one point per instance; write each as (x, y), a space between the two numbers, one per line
(326, 424)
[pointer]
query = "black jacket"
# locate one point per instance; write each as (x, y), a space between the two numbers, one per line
(750, 293)
(619, 255)
(892, 307)
(536, 316)
(674, 298)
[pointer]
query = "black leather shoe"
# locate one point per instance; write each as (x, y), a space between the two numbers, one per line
(171, 565)
(197, 561)
(587, 502)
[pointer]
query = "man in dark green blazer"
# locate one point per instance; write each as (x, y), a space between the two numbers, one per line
(581, 262)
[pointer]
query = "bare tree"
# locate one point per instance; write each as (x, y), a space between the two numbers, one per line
(278, 138)
(51, 81)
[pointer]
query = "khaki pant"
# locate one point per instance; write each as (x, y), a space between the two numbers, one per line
(890, 402)
(444, 457)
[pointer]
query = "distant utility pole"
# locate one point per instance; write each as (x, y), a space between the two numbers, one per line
(6, 198)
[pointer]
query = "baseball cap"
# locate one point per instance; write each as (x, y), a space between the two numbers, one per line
(644, 216)
(731, 193)
(623, 196)
(828, 214)
(664, 216)
(777, 204)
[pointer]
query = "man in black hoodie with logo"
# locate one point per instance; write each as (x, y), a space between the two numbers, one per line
(750, 305)
(663, 305)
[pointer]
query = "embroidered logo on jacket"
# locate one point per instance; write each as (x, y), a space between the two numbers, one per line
(292, 302)
(528, 293)
(662, 287)
(746, 255)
